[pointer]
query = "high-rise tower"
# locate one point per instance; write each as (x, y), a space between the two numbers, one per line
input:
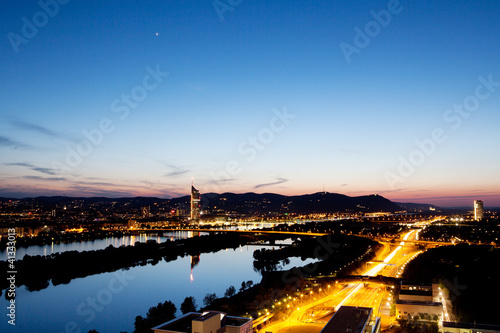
(195, 204)
(478, 210)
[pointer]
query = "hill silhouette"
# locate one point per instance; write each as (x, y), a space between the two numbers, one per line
(244, 203)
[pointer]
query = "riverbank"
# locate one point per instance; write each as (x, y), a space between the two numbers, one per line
(61, 268)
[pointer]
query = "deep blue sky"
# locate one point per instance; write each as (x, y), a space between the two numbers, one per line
(353, 121)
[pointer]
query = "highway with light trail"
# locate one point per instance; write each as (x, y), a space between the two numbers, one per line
(391, 263)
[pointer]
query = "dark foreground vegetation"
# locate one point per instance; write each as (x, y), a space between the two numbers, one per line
(482, 232)
(414, 326)
(470, 274)
(156, 315)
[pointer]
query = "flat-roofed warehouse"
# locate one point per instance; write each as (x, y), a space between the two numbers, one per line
(353, 319)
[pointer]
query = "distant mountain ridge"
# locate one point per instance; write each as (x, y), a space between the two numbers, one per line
(321, 202)
(246, 203)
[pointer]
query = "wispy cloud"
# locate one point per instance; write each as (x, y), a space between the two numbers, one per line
(90, 191)
(219, 182)
(46, 171)
(87, 183)
(368, 192)
(150, 184)
(24, 125)
(45, 178)
(391, 191)
(279, 181)
(176, 170)
(27, 126)
(176, 173)
(103, 184)
(156, 184)
(6, 142)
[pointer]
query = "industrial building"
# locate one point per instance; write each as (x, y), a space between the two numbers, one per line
(353, 319)
(416, 299)
(410, 309)
(206, 322)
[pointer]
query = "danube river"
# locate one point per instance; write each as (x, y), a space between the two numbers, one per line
(109, 302)
(98, 244)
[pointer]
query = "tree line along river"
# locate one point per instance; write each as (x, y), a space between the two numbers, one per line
(110, 301)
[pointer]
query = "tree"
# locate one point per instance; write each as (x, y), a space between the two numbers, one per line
(189, 305)
(209, 299)
(156, 315)
(140, 324)
(230, 291)
(431, 328)
(243, 286)
(249, 284)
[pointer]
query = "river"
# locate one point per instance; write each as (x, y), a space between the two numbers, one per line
(98, 244)
(109, 302)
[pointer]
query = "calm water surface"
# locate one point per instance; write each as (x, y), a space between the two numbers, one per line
(100, 244)
(109, 302)
(97, 244)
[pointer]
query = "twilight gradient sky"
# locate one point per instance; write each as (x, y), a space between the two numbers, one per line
(261, 97)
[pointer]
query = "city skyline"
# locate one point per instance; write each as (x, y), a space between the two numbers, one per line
(396, 98)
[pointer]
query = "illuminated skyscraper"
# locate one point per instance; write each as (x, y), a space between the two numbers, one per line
(145, 211)
(478, 210)
(195, 204)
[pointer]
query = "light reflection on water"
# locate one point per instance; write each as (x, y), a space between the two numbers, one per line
(50, 309)
(97, 244)
(100, 244)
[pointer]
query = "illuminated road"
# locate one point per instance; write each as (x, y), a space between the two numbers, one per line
(312, 311)
(370, 297)
(392, 261)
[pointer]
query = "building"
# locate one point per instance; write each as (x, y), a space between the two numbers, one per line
(353, 319)
(422, 300)
(453, 327)
(416, 295)
(407, 285)
(478, 210)
(195, 204)
(132, 224)
(145, 212)
(424, 292)
(410, 309)
(206, 322)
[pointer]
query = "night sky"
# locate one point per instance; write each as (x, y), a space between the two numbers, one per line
(129, 98)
